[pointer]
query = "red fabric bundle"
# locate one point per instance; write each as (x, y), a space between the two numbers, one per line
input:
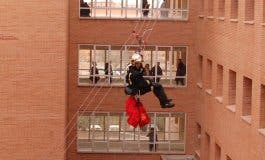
(130, 105)
(144, 119)
(137, 114)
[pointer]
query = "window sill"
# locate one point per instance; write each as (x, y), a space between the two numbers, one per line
(132, 19)
(234, 20)
(247, 119)
(210, 17)
(198, 153)
(249, 22)
(199, 85)
(262, 131)
(201, 16)
(176, 157)
(219, 99)
(231, 108)
(208, 91)
(263, 24)
(221, 18)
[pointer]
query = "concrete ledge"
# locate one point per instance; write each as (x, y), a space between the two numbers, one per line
(219, 99)
(247, 119)
(208, 91)
(262, 131)
(210, 17)
(221, 18)
(177, 157)
(234, 20)
(231, 108)
(199, 84)
(249, 22)
(201, 16)
(198, 153)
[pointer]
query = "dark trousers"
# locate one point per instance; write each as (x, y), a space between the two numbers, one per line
(157, 89)
(181, 80)
(152, 147)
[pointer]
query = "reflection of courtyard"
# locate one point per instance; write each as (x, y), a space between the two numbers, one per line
(125, 142)
(127, 146)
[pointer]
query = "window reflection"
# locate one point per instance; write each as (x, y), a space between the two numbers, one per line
(109, 132)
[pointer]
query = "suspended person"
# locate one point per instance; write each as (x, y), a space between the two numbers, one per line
(137, 84)
(181, 71)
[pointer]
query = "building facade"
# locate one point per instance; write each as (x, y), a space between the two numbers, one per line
(63, 76)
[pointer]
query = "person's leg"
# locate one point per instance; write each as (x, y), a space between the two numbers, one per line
(161, 95)
(150, 147)
(182, 81)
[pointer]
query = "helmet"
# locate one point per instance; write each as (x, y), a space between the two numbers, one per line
(137, 57)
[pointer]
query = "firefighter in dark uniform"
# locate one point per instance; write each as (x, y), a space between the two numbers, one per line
(137, 84)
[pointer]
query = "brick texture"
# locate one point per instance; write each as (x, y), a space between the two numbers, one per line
(33, 47)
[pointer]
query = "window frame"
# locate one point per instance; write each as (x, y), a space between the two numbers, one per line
(138, 142)
(171, 71)
(138, 14)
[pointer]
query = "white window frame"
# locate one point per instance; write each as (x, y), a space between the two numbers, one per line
(138, 9)
(138, 141)
(171, 70)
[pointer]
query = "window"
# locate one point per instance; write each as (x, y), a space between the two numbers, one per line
(106, 65)
(234, 9)
(198, 135)
(263, 11)
(209, 74)
(201, 7)
(221, 8)
(232, 88)
(249, 10)
(217, 152)
(207, 146)
(210, 7)
(200, 68)
(109, 132)
(135, 9)
(262, 106)
(219, 85)
(247, 96)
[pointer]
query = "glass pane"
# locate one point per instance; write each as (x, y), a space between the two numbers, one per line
(100, 146)
(164, 147)
(114, 127)
(131, 147)
(177, 147)
(84, 145)
(115, 146)
(144, 147)
(84, 63)
(184, 4)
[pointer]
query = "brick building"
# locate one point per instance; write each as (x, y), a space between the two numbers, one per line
(62, 79)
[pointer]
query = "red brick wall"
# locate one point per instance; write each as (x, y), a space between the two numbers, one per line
(240, 47)
(33, 51)
(116, 32)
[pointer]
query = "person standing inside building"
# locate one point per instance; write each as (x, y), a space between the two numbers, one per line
(157, 71)
(94, 77)
(164, 12)
(145, 8)
(152, 140)
(147, 71)
(108, 69)
(181, 71)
